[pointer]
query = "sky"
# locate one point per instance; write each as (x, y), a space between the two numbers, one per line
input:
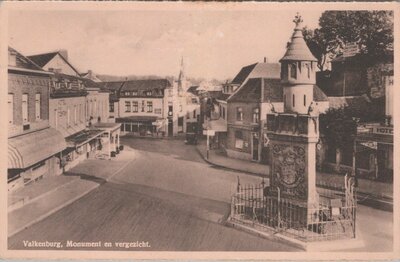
(213, 43)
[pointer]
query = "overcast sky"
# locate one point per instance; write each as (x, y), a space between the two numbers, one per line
(214, 44)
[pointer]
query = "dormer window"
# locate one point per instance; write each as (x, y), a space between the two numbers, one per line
(134, 93)
(148, 93)
(293, 70)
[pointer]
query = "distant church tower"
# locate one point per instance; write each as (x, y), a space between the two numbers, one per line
(298, 68)
(182, 78)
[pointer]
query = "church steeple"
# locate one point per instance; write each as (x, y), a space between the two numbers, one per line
(182, 77)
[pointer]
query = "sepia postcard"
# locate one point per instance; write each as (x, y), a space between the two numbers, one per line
(199, 130)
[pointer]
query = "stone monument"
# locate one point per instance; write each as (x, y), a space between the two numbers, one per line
(294, 133)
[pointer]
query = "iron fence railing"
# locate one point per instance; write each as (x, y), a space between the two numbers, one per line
(334, 218)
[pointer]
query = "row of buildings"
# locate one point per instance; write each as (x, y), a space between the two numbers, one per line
(153, 107)
(58, 116)
(237, 115)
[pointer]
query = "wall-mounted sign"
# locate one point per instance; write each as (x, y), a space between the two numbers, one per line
(383, 130)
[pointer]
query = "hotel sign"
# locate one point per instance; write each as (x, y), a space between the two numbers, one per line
(383, 130)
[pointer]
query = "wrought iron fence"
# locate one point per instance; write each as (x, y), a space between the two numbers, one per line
(334, 218)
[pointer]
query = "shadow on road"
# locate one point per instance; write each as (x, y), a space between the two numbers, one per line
(95, 179)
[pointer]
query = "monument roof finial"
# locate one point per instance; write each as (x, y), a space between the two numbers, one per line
(298, 20)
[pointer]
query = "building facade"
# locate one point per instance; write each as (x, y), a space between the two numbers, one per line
(76, 105)
(34, 148)
(141, 107)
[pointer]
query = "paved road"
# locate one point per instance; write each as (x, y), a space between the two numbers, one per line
(167, 197)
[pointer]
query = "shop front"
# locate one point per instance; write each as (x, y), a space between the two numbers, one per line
(142, 125)
(33, 156)
(80, 146)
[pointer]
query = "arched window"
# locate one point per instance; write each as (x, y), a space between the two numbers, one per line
(293, 71)
(308, 66)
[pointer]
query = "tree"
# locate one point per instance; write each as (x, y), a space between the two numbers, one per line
(372, 31)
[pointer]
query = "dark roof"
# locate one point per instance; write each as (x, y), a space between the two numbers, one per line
(113, 86)
(214, 94)
(243, 74)
(145, 85)
(251, 91)
(262, 70)
(193, 90)
(23, 61)
(224, 97)
(42, 59)
(273, 91)
(319, 95)
(349, 101)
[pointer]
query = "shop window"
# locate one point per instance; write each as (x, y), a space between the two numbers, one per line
(10, 108)
(238, 139)
(256, 115)
(127, 106)
(149, 107)
(239, 114)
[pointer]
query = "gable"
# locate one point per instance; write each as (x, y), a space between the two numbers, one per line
(60, 65)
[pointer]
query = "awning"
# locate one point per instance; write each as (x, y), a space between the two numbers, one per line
(29, 149)
(83, 137)
(109, 127)
(218, 125)
(137, 119)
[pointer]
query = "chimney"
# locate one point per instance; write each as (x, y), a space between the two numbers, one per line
(64, 53)
(90, 73)
(265, 59)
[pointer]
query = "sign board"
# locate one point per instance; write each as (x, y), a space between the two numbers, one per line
(351, 49)
(370, 144)
(383, 130)
(209, 132)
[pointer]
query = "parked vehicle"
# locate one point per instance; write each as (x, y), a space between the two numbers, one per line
(191, 134)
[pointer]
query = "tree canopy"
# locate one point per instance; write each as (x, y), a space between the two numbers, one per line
(372, 31)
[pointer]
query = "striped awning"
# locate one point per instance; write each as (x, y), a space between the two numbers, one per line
(29, 149)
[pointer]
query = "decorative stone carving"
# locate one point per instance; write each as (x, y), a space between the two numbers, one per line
(289, 170)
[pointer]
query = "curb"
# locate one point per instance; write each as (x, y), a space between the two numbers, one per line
(30, 200)
(228, 168)
(334, 245)
(70, 201)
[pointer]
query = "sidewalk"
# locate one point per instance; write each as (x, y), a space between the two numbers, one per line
(382, 191)
(49, 195)
(231, 163)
